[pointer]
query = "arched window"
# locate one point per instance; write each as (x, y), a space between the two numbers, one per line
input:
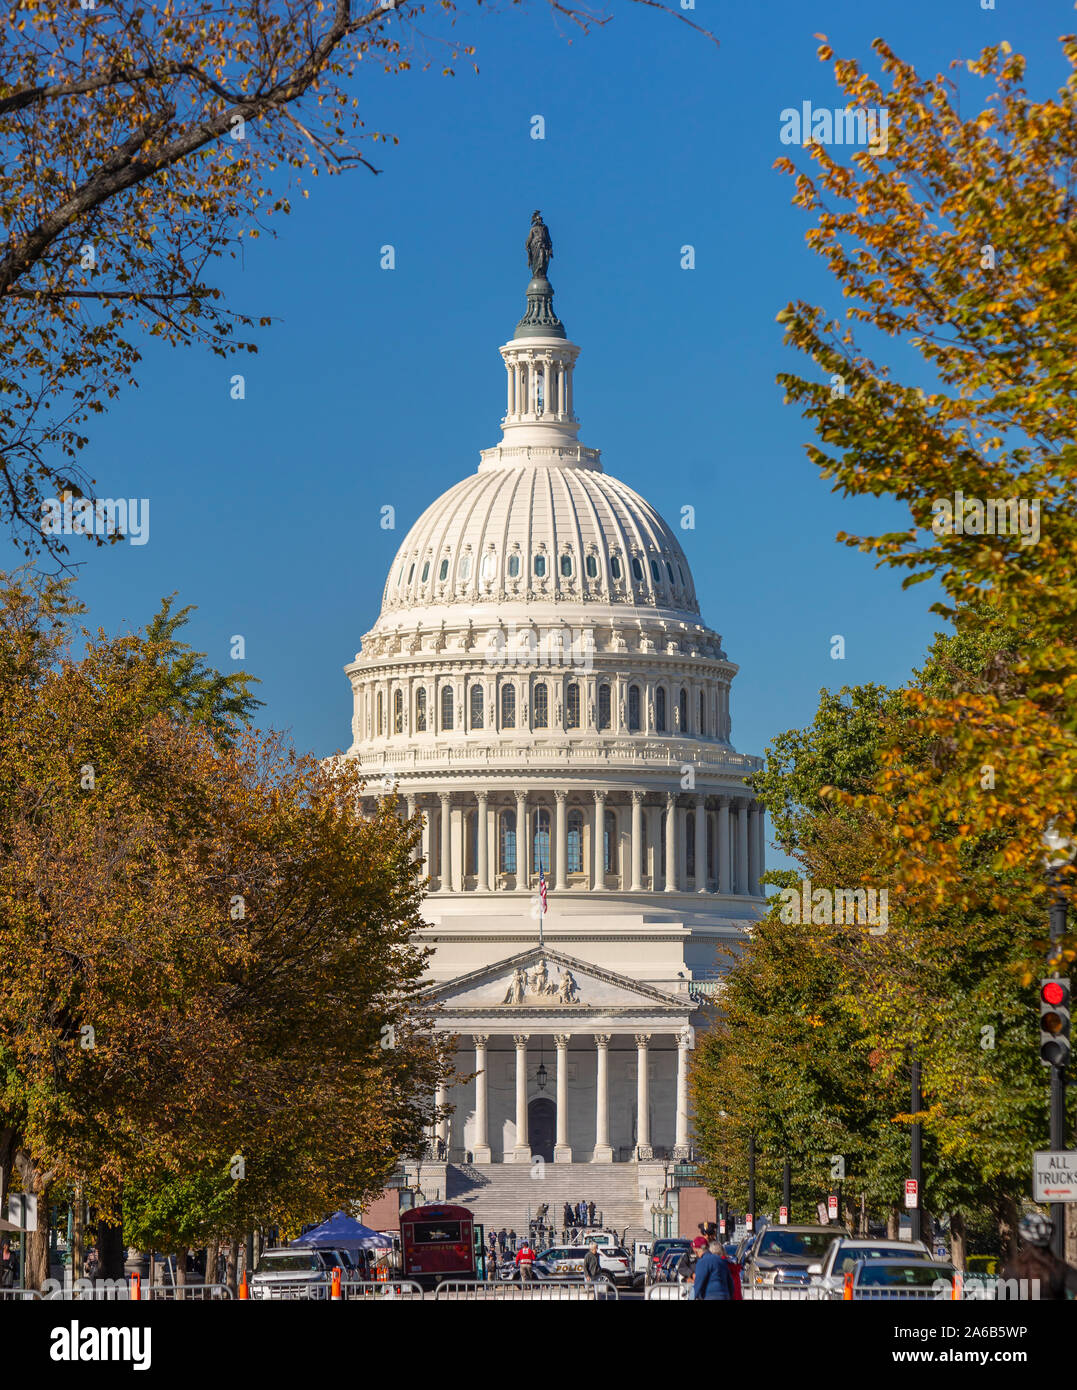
(420, 709)
(572, 705)
(398, 711)
(702, 714)
(615, 566)
(684, 710)
(443, 569)
(514, 566)
(471, 843)
(426, 572)
(637, 569)
(592, 567)
(609, 844)
(541, 712)
(465, 568)
(507, 842)
(476, 706)
(690, 843)
(603, 707)
(541, 857)
(655, 573)
(633, 709)
(540, 566)
(660, 709)
(381, 713)
(411, 573)
(489, 565)
(669, 571)
(566, 566)
(508, 707)
(446, 706)
(575, 842)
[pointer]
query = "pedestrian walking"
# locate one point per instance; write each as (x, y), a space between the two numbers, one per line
(525, 1259)
(592, 1265)
(9, 1266)
(700, 1242)
(1036, 1261)
(92, 1264)
(590, 1213)
(502, 1241)
(712, 1277)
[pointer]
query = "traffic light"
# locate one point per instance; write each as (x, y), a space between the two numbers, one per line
(1054, 1021)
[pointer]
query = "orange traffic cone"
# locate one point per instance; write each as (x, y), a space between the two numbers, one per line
(847, 1287)
(243, 1286)
(136, 1288)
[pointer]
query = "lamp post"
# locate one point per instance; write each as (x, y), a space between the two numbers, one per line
(1061, 852)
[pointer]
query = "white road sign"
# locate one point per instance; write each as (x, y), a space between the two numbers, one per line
(1054, 1176)
(22, 1211)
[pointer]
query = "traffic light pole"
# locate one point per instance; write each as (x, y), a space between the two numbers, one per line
(787, 1190)
(1058, 1089)
(751, 1178)
(917, 1162)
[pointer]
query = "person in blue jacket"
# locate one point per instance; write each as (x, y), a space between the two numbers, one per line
(713, 1279)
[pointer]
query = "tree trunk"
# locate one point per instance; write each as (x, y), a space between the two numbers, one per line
(76, 1233)
(893, 1222)
(111, 1249)
(181, 1269)
(37, 1182)
(862, 1220)
(958, 1242)
(213, 1250)
(230, 1267)
(1071, 1233)
(1006, 1215)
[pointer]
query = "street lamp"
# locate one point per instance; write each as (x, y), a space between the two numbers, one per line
(541, 1075)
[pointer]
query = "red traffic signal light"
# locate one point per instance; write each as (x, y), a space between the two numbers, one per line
(1054, 1021)
(1052, 992)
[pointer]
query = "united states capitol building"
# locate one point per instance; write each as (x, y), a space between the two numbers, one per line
(541, 688)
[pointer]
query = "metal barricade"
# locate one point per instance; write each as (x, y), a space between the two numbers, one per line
(187, 1293)
(289, 1291)
(668, 1293)
(18, 1295)
(383, 1290)
(776, 1293)
(534, 1291)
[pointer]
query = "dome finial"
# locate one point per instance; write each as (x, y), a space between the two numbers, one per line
(539, 320)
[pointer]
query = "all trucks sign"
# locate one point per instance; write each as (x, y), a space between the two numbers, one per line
(1054, 1176)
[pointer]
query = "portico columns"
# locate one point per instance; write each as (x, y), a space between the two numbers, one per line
(643, 1101)
(481, 1149)
(684, 1043)
(701, 844)
(561, 1151)
(636, 885)
(742, 847)
(523, 865)
(603, 1153)
(441, 1127)
(598, 877)
(560, 862)
(522, 1152)
(446, 842)
(482, 834)
(671, 843)
(725, 875)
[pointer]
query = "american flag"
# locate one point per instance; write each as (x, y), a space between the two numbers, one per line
(542, 890)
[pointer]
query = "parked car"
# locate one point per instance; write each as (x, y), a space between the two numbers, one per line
(641, 1258)
(659, 1248)
(782, 1256)
(900, 1279)
(843, 1255)
(287, 1272)
(568, 1259)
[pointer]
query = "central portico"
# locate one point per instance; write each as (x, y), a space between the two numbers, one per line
(543, 1021)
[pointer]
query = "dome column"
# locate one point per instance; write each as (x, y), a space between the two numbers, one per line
(560, 866)
(670, 885)
(523, 857)
(701, 843)
(598, 876)
(482, 841)
(742, 846)
(446, 842)
(636, 882)
(725, 874)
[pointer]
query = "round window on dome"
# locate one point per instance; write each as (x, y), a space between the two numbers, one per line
(637, 569)
(656, 574)
(566, 566)
(540, 566)
(489, 566)
(425, 574)
(615, 566)
(514, 566)
(592, 567)
(443, 570)
(465, 567)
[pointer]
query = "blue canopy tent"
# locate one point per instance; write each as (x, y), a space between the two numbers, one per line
(343, 1232)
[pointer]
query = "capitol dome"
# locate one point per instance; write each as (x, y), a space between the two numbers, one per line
(540, 688)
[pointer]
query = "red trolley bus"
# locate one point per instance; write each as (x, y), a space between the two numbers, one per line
(437, 1242)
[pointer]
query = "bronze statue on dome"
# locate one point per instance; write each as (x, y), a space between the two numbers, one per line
(539, 247)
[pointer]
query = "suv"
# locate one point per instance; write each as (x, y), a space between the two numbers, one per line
(782, 1256)
(296, 1273)
(662, 1247)
(843, 1255)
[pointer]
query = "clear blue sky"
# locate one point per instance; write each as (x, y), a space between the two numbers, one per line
(376, 387)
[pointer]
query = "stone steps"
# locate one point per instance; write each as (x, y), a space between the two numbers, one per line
(509, 1194)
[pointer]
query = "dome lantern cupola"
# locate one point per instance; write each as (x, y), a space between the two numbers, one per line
(539, 361)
